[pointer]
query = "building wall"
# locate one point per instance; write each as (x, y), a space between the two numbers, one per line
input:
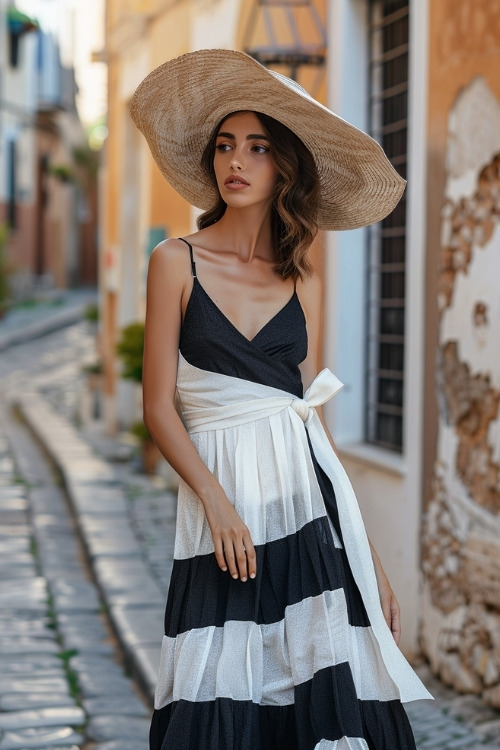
(388, 486)
(38, 114)
(461, 551)
(140, 35)
(19, 96)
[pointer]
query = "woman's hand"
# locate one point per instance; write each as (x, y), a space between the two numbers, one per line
(388, 601)
(233, 544)
(390, 608)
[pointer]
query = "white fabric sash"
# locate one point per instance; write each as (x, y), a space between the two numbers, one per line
(212, 401)
(325, 385)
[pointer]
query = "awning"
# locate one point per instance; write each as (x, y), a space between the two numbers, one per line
(20, 23)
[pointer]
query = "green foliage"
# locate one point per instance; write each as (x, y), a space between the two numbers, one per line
(130, 349)
(140, 430)
(71, 675)
(86, 159)
(91, 313)
(93, 368)
(62, 172)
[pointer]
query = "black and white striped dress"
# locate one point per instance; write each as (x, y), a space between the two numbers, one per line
(300, 658)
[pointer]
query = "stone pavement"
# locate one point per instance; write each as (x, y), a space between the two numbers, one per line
(52, 311)
(126, 524)
(61, 684)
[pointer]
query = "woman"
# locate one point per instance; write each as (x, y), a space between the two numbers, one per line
(281, 626)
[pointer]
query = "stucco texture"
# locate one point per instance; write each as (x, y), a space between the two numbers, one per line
(461, 551)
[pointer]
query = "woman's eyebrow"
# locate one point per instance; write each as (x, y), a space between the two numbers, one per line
(250, 137)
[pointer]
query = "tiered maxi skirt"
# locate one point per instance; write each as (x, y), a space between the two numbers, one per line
(301, 656)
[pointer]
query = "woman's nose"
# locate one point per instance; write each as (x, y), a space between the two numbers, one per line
(236, 161)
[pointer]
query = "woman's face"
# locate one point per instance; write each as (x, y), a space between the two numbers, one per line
(244, 169)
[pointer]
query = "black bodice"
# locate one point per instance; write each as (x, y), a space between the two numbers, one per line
(209, 341)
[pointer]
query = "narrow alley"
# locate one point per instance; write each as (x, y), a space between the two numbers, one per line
(85, 555)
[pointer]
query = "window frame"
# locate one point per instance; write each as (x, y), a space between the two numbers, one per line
(388, 117)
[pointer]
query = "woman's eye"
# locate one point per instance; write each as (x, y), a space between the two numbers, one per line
(223, 147)
(260, 149)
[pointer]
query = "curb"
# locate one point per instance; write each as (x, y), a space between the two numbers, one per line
(54, 322)
(133, 598)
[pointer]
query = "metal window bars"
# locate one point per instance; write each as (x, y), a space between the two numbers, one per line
(387, 239)
(289, 34)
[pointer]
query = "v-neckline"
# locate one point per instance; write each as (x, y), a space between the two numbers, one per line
(228, 320)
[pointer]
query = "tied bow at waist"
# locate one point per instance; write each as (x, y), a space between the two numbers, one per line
(214, 401)
(323, 388)
(302, 408)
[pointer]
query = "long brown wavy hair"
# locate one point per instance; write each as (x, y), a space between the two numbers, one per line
(295, 203)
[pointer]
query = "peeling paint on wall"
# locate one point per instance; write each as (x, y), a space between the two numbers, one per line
(472, 405)
(461, 545)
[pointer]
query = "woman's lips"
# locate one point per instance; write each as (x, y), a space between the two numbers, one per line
(236, 183)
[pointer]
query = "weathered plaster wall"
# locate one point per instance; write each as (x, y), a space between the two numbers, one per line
(463, 42)
(461, 542)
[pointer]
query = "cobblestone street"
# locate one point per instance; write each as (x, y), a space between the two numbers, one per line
(86, 546)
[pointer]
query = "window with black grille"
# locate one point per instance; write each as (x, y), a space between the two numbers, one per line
(386, 249)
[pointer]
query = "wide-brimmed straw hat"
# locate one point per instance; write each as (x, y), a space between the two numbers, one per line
(179, 104)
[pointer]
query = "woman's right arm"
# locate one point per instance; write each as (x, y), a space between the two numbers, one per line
(168, 282)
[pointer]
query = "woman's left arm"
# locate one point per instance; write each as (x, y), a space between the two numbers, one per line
(310, 295)
(390, 606)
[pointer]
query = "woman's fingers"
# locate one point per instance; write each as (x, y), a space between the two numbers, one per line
(390, 608)
(233, 546)
(230, 556)
(241, 559)
(219, 553)
(395, 619)
(238, 555)
(250, 555)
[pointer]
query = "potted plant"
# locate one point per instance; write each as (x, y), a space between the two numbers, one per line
(150, 455)
(62, 172)
(91, 313)
(130, 349)
(94, 371)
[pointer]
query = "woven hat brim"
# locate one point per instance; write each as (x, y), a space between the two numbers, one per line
(178, 105)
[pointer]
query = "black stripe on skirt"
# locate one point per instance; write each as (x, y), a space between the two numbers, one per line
(326, 708)
(291, 569)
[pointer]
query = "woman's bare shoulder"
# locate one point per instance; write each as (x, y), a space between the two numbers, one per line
(310, 290)
(171, 257)
(171, 253)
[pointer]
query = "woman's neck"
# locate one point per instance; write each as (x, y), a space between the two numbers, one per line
(247, 232)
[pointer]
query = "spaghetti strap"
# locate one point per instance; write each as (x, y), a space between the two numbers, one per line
(193, 264)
